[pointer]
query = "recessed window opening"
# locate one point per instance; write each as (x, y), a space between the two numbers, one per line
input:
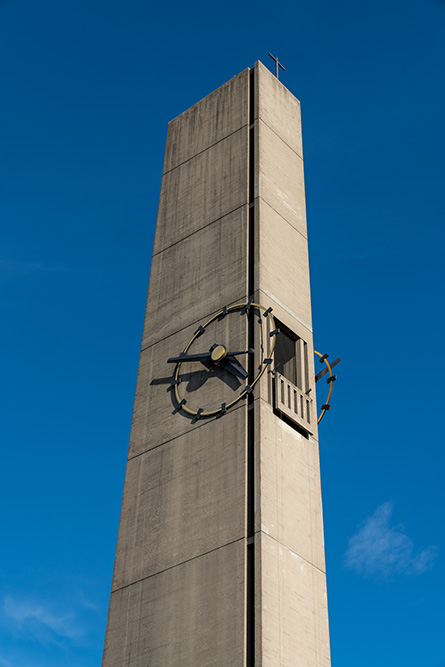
(291, 359)
(285, 354)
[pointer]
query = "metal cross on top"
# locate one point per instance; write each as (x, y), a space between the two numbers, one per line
(277, 64)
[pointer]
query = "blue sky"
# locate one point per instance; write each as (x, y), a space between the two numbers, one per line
(87, 90)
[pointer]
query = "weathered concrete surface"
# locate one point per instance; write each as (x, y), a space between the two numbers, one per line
(283, 266)
(192, 614)
(212, 119)
(203, 189)
(291, 621)
(190, 279)
(294, 622)
(183, 499)
(280, 177)
(278, 108)
(179, 582)
(288, 497)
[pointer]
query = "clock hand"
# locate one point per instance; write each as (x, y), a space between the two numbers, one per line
(234, 367)
(189, 357)
(249, 351)
(217, 353)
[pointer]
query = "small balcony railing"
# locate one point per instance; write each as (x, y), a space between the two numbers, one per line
(293, 402)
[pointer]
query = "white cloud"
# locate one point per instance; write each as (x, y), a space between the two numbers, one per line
(379, 549)
(45, 624)
(13, 268)
(86, 603)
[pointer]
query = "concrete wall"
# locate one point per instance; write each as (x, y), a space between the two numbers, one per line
(179, 580)
(292, 620)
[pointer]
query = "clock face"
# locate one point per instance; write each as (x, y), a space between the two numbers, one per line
(217, 369)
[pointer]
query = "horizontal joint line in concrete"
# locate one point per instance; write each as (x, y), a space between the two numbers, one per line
(205, 149)
(282, 217)
(172, 567)
(241, 405)
(155, 254)
(288, 310)
(176, 437)
(213, 312)
(312, 438)
(281, 138)
(294, 552)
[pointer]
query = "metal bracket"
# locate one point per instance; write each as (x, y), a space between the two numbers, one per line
(246, 308)
(179, 406)
(326, 370)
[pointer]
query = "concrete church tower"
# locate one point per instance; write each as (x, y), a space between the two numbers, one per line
(220, 554)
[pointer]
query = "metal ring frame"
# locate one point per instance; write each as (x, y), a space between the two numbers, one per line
(222, 313)
(330, 387)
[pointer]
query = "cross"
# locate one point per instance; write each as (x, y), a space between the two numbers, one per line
(277, 64)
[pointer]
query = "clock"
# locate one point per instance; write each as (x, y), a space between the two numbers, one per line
(215, 367)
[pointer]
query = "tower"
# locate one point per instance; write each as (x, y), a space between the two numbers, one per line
(220, 553)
